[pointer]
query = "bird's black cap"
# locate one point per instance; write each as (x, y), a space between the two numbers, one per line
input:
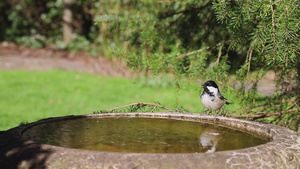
(210, 83)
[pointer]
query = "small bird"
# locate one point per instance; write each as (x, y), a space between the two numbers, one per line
(211, 97)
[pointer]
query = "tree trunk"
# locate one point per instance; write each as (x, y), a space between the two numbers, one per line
(67, 22)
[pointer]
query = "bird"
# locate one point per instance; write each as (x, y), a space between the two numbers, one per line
(211, 97)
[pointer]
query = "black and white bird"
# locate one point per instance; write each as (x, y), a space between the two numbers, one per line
(211, 97)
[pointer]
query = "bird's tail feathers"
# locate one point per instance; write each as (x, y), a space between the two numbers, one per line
(227, 102)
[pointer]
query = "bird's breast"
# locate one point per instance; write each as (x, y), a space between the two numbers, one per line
(211, 102)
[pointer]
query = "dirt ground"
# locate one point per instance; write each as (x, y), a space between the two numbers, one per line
(13, 57)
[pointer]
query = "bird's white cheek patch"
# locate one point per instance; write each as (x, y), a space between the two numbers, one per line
(212, 89)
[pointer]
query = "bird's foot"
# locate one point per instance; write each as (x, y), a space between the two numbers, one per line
(217, 115)
(205, 113)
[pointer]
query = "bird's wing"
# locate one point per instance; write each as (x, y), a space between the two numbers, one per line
(223, 98)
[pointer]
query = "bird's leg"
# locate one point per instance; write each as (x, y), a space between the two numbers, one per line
(205, 112)
(223, 112)
(218, 113)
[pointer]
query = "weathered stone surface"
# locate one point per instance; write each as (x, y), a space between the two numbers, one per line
(282, 152)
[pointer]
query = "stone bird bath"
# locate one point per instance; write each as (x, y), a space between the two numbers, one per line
(26, 147)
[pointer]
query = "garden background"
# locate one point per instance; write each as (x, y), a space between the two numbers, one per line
(63, 57)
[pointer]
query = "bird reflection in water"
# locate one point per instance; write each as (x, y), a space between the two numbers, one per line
(210, 138)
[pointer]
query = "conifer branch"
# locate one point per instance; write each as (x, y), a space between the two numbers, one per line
(197, 51)
(273, 30)
(219, 54)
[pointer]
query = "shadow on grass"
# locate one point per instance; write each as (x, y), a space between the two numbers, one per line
(16, 152)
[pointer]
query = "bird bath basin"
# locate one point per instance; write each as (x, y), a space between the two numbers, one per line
(148, 140)
(141, 135)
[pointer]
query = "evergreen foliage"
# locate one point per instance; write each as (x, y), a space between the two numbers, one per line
(270, 27)
(214, 39)
(181, 37)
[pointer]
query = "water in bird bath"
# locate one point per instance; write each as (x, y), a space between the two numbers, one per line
(141, 135)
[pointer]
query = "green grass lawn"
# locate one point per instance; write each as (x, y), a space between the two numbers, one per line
(27, 96)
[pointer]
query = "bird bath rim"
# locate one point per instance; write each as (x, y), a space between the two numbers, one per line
(281, 151)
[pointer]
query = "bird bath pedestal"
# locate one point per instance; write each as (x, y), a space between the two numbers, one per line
(281, 151)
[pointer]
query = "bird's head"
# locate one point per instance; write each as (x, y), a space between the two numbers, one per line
(211, 86)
